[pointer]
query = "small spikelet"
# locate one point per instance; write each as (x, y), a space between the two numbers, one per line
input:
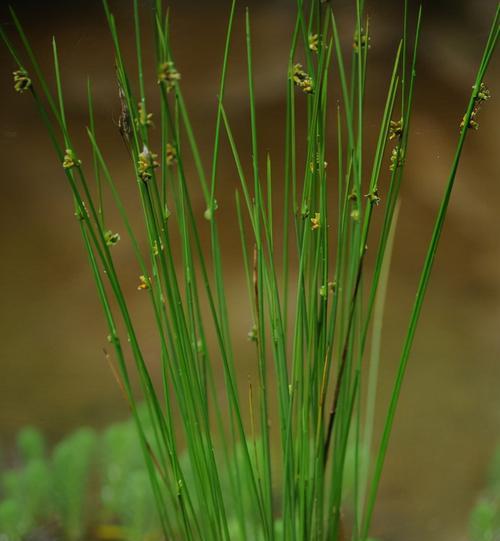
(361, 41)
(373, 197)
(313, 42)
(146, 163)
(143, 283)
(70, 160)
(302, 79)
(171, 155)
(168, 75)
(144, 118)
(316, 221)
(111, 239)
(395, 129)
(397, 158)
(22, 82)
(482, 96)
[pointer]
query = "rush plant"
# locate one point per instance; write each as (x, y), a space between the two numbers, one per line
(248, 472)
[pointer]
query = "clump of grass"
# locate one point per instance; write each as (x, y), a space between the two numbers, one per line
(312, 298)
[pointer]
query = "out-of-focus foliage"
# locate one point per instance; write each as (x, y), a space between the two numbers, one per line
(484, 522)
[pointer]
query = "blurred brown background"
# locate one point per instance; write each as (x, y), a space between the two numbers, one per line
(52, 371)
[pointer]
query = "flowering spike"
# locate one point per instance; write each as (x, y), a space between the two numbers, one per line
(397, 158)
(395, 129)
(313, 42)
(316, 221)
(252, 334)
(373, 197)
(168, 74)
(112, 239)
(143, 283)
(482, 96)
(70, 160)
(362, 42)
(144, 118)
(209, 212)
(146, 163)
(302, 79)
(171, 155)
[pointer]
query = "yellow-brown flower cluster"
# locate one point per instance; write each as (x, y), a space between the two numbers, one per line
(482, 96)
(144, 118)
(146, 163)
(168, 75)
(70, 160)
(171, 155)
(22, 81)
(302, 79)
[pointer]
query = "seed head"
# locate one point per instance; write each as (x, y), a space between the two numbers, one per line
(483, 94)
(353, 196)
(397, 158)
(22, 81)
(395, 129)
(252, 334)
(361, 40)
(144, 118)
(146, 163)
(373, 197)
(473, 123)
(316, 221)
(70, 160)
(313, 42)
(157, 247)
(168, 75)
(112, 239)
(143, 283)
(209, 212)
(302, 79)
(171, 155)
(325, 289)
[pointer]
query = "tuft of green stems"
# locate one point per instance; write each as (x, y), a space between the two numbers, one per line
(220, 469)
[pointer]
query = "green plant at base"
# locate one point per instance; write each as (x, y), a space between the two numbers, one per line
(27, 493)
(217, 480)
(484, 521)
(71, 466)
(13, 525)
(125, 488)
(138, 513)
(56, 492)
(31, 444)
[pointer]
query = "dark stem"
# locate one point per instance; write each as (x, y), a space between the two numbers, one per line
(343, 363)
